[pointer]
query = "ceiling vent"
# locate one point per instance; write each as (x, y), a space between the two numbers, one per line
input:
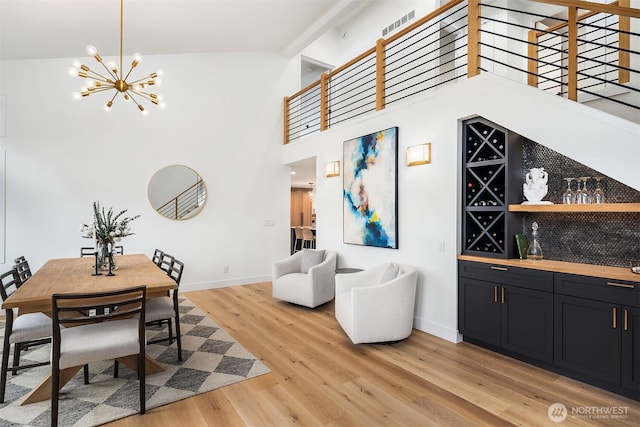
(398, 23)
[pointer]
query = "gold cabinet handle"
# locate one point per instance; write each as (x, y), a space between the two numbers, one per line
(621, 285)
(626, 315)
(495, 294)
(615, 318)
(502, 295)
(494, 267)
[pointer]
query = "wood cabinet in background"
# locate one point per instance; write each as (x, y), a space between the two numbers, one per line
(301, 207)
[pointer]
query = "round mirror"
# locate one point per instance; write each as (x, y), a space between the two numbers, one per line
(177, 192)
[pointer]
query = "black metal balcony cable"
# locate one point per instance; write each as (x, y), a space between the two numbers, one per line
(433, 86)
(398, 47)
(348, 97)
(343, 113)
(392, 80)
(343, 96)
(621, 49)
(347, 90)
(389, 69)
(405, 88)
(305, 109)
(397, 43)
(514, 68)
(309, 111)
(354, 70)
(337, 113)
(342, 109)
(366, 102)
(579, 73)
(412, 53)
(522, 12)
(582, 42)
(605, 28)
(301, 105)
(437, 66)
(426, 58)
(343, 87)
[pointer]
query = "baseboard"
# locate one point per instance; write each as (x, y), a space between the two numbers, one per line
(437, 329)
(201, 286)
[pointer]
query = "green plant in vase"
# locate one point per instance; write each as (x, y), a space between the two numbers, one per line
(107, 229)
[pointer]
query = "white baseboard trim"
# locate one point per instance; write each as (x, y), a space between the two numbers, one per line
(437, 329)
(192, 287)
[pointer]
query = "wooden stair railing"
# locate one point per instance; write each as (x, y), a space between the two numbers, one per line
(621, 8)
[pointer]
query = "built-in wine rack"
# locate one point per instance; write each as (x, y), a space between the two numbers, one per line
(492, 164)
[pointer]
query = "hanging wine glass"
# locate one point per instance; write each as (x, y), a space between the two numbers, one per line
(567, 196)
(585, 194)
(598, 194)
(577, 196)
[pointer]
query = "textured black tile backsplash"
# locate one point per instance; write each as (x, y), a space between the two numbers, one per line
(608, 238)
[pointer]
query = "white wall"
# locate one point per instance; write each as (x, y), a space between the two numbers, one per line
(340, 45)
(223, 119)
(428, 196)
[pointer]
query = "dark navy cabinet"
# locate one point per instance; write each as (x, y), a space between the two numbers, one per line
(584, 327)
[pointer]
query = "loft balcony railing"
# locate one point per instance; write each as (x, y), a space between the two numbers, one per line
(186, 202)
(585, 52)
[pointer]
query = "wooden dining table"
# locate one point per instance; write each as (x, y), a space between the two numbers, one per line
(72, 275)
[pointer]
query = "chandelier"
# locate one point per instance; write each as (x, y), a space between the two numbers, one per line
(115, 79)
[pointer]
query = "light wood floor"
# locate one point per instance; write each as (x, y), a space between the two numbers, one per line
(319, 378)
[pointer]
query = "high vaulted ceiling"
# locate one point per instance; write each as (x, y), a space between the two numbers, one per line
(63, 28)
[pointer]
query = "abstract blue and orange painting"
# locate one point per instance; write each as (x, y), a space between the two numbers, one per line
(370, 189)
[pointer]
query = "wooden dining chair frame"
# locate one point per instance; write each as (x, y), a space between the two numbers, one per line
(157, 257)
(5, 285)
(166, 262)
(23, 269)
(175, 272)
(71, 310)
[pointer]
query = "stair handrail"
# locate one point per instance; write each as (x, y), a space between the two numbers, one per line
(173, 205)
(620, 8)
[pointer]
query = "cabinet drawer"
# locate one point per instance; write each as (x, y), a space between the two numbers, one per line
(507, 275)
(599, 289)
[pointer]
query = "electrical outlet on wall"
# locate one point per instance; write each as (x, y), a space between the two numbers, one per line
(225, 269)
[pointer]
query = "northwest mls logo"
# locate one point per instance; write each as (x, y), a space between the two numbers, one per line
(557, 412)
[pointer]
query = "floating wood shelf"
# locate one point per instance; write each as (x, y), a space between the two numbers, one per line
(604, 207)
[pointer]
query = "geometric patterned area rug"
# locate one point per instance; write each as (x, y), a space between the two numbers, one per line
(211, 359)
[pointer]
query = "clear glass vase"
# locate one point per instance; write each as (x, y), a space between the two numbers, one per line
(103, 257)
(534, 251)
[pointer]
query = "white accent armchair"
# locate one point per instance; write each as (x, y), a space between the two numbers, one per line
(312, 288)
(377, 305)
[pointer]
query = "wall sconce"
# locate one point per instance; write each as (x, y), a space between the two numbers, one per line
(419, 154)
(333, 169)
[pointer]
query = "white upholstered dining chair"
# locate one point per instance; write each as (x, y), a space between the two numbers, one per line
(80, 338)
(21, 331)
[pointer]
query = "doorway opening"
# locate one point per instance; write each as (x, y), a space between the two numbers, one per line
(303, 185)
